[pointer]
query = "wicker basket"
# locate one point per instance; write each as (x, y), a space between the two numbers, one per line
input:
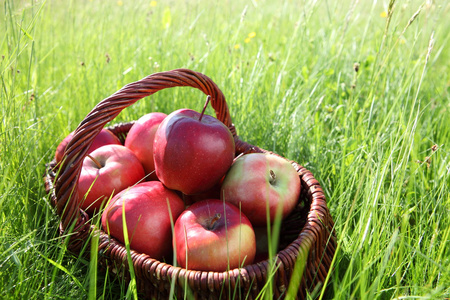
(306, 235)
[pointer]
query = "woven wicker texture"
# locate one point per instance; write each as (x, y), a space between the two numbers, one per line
(306, 235)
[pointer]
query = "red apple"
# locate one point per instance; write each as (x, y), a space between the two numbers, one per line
(104, 137)
(107, 171)
(140, 140)
(149, 223)
(262, 184)
(192, 151)
(212, 235)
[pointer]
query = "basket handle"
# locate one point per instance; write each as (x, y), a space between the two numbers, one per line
(68, 206)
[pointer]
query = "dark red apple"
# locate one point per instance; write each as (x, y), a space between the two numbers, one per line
(192, 151)
(212, 235)
(105, 137)
(150, 211)
(140, 140)
(107, 171)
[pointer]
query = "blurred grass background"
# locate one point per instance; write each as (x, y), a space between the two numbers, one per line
(356, 91)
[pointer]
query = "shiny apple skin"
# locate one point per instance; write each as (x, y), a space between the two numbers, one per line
(140, 140)
(248, 184)
(148, 218)
(120, 168)
(226, 244)
(191, 156)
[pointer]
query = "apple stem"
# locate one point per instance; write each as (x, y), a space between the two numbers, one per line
(95, 161)
(204, 107)
(273, 177)
(217, 216)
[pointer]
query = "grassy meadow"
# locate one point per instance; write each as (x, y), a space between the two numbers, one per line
(358, 92)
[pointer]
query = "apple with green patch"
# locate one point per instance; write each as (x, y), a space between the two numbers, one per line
(263, 185)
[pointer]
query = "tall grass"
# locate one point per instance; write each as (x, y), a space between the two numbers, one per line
(356, 91)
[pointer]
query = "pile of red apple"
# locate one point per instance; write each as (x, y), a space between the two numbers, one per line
(178, 186)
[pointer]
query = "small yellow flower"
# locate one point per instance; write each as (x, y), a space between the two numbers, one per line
(237, 46)
(153, 3)
(247, 40)
(383, 14)
(252, 35)
(120, 3)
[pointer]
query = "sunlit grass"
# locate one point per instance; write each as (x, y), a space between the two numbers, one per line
(356, 92)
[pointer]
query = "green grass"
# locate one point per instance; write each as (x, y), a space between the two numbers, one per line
(367, 136)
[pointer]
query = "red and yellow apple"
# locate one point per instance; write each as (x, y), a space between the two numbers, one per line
(104, 137)
(262, 184)
(150, 211)
(140, 139)
(192, 151)
(212, 235)
(107, 171)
